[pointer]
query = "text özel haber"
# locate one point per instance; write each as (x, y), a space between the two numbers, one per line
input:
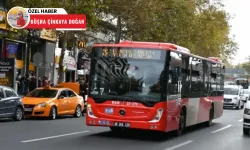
(56, 21)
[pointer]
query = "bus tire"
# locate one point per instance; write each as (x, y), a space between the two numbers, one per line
(211, 116)
(182, 122)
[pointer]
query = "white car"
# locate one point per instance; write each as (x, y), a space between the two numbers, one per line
(246, 95)
(246, 119)
(233, 96)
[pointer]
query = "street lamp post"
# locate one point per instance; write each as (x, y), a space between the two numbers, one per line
(33, 36)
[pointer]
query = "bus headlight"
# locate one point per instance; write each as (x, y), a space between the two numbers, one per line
(90, 112)
(158, 115)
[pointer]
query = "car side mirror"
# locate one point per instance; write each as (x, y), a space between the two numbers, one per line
(60, 97)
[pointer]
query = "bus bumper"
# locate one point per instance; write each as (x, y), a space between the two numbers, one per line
(144, 125)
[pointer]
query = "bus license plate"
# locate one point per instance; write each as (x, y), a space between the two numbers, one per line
(121, 124)
(109, 111)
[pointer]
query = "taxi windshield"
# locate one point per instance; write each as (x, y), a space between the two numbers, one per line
(43, 93)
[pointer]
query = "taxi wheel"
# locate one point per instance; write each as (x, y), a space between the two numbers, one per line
(53, 113)
(78, 111)
(18, 114)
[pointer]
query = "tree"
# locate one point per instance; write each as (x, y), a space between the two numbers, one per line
(199, 25)
(91, 8)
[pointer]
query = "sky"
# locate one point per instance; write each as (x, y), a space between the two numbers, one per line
(240, 27)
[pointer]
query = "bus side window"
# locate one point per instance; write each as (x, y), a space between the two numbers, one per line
(174, 83)
(196, 79)
(185, 76)
(214, 83)
(208, 81)
(205, 78)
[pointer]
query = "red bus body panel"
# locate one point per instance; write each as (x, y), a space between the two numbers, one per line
(139, 115)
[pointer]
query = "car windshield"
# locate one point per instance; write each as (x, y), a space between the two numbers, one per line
(43, 93)
(231, 91)
(133, 73)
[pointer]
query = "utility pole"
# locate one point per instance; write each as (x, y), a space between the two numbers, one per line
(28, 47)
(118, 30)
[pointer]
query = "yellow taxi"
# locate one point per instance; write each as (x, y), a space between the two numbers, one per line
(52, 102)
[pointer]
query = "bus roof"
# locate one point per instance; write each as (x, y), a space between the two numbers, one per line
(157, 45)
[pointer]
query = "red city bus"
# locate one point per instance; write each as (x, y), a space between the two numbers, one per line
(153, 86)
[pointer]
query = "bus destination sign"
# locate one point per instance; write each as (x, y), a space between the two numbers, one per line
(132, 53)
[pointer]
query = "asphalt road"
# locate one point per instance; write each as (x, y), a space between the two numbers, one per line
(69, 133)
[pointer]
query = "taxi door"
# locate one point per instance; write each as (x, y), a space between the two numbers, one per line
(63, 102)
(72, 100)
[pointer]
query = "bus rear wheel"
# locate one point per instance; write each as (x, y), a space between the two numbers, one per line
(211, 117)
(182, 123)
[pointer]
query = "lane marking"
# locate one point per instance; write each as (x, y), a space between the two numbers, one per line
(240, 120)
(228, 126)
(179, 145)
(52, 137)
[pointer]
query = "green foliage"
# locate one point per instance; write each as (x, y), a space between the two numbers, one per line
(200, 25)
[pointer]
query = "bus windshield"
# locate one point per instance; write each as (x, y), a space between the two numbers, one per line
(127, 73)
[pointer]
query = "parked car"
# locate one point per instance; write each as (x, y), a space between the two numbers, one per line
(246, 119)
(233, 96)
(52, 102)
(246, 95)
(11, 105)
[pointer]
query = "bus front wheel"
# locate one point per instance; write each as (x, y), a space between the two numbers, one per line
(182, 122)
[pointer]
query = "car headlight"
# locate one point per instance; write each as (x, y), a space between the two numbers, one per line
(158, 115)
(247, 111)
(90, 112)
(41, 105)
